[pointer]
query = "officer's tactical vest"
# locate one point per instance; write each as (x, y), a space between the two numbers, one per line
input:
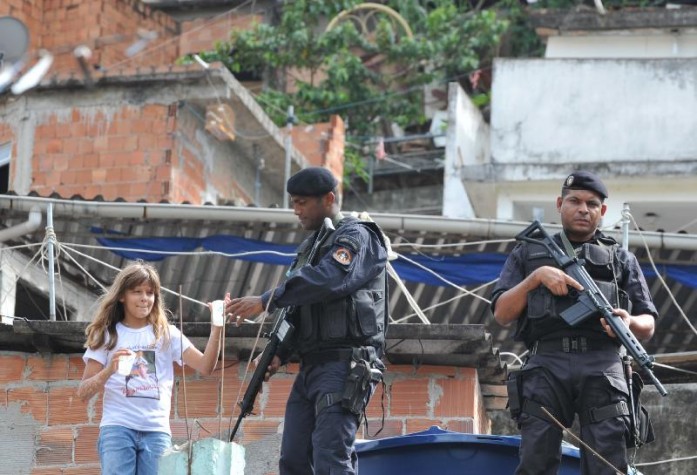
(542, 319)
(356, 320)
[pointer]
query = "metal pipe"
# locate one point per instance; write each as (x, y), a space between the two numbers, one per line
(625, 226)
(51, 280)
(288, 144)
(29, 226)
(474, 228)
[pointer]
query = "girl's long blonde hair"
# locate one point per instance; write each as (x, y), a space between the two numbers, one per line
(111, 310)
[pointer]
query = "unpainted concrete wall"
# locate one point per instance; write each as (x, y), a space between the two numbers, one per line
(673, 421)
(552, 111)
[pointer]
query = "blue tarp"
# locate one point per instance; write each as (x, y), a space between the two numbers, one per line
(467, 269)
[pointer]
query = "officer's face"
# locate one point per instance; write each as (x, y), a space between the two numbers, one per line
(581, 212)
(311, 210)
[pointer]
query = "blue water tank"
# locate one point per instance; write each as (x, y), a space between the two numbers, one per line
(442, 452)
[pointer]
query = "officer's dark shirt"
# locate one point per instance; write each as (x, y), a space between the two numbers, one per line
(329, 279)
(632, 280)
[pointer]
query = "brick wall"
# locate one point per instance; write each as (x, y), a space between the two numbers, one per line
(201, 34)
(30, 13)
(113, 150)
(117, 152)
(108, 28)
(322, 144)
(140, 151)
(123, 144)
(41, 389)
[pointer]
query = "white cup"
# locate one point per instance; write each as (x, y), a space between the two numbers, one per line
(217, 318)
(126, 364)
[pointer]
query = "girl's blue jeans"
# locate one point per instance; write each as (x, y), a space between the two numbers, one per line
(124, 451)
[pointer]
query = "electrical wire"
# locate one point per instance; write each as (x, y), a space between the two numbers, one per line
(443, 279)
(454, 244)
(228, 120)
(50, 236)
(518, 358)
(66, 250)
(176, 38)
(659, 277)
(18, 275)
(588, 447)
(350, 105)
(660, 462)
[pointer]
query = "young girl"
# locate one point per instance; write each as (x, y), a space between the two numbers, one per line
(131, 321)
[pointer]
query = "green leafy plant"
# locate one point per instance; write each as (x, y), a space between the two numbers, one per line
(370, 80)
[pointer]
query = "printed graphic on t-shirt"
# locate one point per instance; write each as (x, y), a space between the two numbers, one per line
(142, 382)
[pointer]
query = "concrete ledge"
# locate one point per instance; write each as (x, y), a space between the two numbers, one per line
(549, 20)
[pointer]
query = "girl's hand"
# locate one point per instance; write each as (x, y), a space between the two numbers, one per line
(113, 364)
(218, 314)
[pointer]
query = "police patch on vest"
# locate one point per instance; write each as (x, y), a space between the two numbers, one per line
(342, 256)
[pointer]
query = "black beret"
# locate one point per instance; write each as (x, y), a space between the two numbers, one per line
(583, 180)
(312, 181)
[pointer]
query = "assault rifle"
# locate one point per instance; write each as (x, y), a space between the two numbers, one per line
(280, 333)
(591, 300)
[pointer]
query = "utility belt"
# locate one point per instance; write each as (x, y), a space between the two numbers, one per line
(365, 372)
(573, 344)
(338, 354)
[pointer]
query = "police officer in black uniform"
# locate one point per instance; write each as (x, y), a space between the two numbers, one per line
(338, 306)
(572, 370)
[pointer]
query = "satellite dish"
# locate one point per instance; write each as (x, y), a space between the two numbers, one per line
(14, 40)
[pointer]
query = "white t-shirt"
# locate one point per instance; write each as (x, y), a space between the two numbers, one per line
(142, 400)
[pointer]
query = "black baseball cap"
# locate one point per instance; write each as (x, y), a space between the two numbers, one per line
(585, 180)
(312, 181)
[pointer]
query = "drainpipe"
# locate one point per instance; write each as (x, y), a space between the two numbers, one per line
(30, 225)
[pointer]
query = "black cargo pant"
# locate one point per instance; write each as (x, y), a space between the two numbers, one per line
(318, 443)
(567, 384)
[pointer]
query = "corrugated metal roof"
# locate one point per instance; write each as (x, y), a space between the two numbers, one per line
(208, 276)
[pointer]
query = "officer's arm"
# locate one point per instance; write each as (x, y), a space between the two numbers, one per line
(642, 326)
(643, 322)
(511, 303)
(356, 257)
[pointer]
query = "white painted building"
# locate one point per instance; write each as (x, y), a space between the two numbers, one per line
(615, 94)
